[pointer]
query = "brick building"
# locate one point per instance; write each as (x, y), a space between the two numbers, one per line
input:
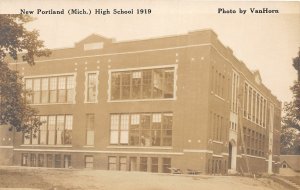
(180, 101)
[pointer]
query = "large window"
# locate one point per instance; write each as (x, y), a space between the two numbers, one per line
(254, 142)
(254, 106)
(91, 87)
(143, 84)
(55, 130)
(54, 89)
(146, 129)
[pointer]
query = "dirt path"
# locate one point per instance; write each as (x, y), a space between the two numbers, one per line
(115, 180)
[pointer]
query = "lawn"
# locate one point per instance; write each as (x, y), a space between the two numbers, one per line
(61, 179)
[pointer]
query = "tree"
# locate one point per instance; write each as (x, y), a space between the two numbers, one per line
(296, 87)
(290, 131)
(16, 42)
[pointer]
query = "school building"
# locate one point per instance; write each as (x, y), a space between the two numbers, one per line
(182, 101)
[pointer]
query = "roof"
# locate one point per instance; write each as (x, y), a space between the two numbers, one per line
(292, 160)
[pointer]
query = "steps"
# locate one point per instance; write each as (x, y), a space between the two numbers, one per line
(290, 183)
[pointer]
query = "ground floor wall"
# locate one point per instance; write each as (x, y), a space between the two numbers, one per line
(6, 157)
(202, 162)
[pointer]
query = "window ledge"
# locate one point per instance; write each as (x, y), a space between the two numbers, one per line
(142, 100)
(48, 104)
(96, 102)
(218, 142)
(142, 147)
(89, 146)
(40, 145)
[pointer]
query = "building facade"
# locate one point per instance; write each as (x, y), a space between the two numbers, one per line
(181, 101)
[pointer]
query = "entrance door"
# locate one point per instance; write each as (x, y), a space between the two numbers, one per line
(230, 156)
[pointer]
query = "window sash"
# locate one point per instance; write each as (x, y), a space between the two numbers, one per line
(143, 84)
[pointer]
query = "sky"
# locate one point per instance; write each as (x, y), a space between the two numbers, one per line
(264, 42)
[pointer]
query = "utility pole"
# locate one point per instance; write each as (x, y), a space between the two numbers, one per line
(240, 127)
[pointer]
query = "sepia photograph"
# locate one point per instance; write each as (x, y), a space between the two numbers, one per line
(149, 95)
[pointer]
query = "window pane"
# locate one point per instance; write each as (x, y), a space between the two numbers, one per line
(91, 88)
(43, 130)
(147, 83)
(136, 84)
(154, 165)
(166, 165)
(123, 163)
(51, 130)
(36, 91)
(114, 137)
(169, 84)
(124, 129)
(28, 86)
(68, 129)
(59, 129)
(53, 89)
(126, 85)
(89, 161)
(143, 164)
(114, 122)
(70, 88)
(45, 90)
(40, 160)
(158, 83)
(90, 129)
(112, 163)
(90, 138)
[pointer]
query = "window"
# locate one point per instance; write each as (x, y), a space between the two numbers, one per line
(91, 86)
(154, 165)
(36, 91)
(49, 160)
(152, 129)
(284, 165)
(24, 159)
(123, 163)
(234, 91)
(26, 138)
(57, 161)
(245, 99)
(132, 164)
(166, 165)
(89, 162)
(143, 164)
(90, 120)
(40, 160)
(28, 87)
(45, 90)
(67, 161)
(59, 129)
(55, 130)
(68, 129)
(54, 89)
(51, 130)
(32, 160)
(93, 46)
(143, 84)
(112, 163)
(43, 129)
(254, 106)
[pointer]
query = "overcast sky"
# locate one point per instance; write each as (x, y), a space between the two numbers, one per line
(266, 42)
